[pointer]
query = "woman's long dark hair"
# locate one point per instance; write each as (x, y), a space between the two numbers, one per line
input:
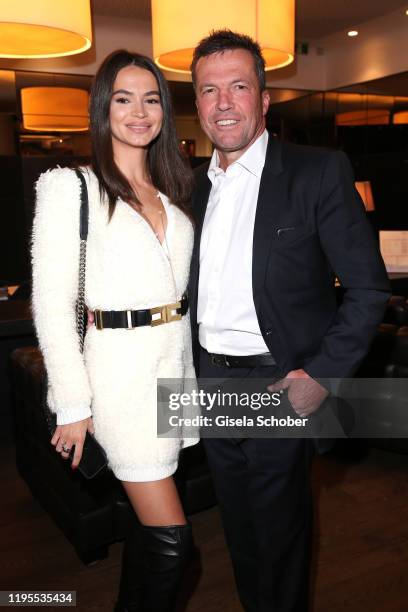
(170, 173)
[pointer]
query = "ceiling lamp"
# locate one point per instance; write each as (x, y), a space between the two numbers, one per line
(55, 109)
(178, 25)
(400, 117)
(44, 28)
(371, 116)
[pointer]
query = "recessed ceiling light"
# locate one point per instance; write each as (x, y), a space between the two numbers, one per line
(352, 33)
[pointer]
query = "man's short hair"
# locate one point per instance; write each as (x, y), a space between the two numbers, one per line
(226, 40)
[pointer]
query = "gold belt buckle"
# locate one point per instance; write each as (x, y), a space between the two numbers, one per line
(170, 315)
(98, 319)
(167, 313)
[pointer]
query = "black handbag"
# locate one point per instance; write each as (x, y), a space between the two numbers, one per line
(93, 458)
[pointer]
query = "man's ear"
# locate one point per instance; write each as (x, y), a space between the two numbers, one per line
(266, 100)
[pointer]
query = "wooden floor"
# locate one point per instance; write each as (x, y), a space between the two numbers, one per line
(361, 543)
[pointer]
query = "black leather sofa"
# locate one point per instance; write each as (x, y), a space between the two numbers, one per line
(388, 355)
(91, 513)
(386, 360)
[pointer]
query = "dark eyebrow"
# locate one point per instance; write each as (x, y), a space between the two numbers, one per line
(232, 83)
(129, 93)
(124, 91)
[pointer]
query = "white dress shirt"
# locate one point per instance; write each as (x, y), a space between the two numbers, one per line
(226, 313)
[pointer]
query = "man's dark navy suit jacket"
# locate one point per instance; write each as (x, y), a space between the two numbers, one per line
(310, 227)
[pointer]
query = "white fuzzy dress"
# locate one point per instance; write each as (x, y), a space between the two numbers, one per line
(127, 268)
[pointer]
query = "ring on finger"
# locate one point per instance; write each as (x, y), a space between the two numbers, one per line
(66, 449)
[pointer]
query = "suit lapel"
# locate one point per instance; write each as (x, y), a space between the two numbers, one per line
(200, 201)
(270, 202)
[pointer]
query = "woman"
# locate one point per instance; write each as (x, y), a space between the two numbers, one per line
(138, 253)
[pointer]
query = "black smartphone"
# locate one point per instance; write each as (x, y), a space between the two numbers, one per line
(93, 458)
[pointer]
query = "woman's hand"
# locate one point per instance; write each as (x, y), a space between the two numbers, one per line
(73, 434)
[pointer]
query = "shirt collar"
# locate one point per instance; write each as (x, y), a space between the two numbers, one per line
(253, 160)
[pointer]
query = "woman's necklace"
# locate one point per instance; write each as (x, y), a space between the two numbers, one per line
(152, 212)
(159, 212)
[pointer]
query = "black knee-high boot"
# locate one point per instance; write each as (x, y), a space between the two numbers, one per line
(132, 570)
(154, 561)
(166, 552)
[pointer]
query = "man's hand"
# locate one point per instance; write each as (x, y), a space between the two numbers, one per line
(304, 393)
(73, 434)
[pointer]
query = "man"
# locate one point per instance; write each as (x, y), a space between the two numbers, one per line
(275, 223)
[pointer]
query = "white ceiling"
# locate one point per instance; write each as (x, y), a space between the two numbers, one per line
(314, 18)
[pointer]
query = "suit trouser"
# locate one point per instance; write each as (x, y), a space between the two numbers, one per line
(264, 493)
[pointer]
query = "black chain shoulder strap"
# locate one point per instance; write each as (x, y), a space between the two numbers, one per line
(83, 234)
(50, 417)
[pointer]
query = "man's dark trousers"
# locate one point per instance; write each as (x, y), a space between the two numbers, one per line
(264, 493)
